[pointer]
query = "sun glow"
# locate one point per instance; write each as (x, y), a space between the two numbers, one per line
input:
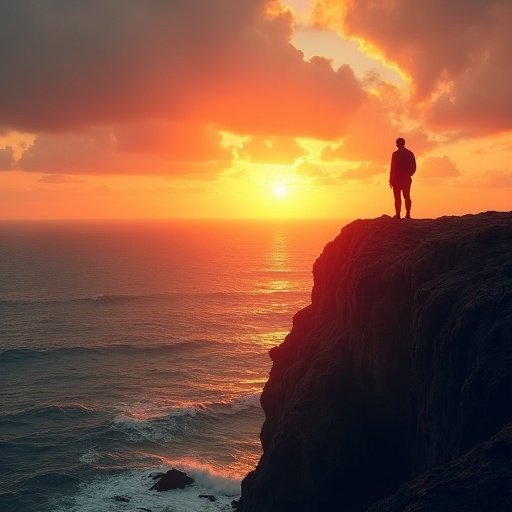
(279, 190)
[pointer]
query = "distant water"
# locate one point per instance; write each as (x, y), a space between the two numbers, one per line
(130, 348)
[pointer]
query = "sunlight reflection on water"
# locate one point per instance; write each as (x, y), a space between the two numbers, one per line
(278, 256)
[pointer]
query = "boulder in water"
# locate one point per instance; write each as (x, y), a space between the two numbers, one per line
(173, 479)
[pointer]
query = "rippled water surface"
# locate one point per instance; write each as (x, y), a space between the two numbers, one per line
(130, 348)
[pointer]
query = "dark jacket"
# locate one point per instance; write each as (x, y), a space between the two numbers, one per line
(403, 166)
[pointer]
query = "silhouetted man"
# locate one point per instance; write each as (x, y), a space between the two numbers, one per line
(403, 166)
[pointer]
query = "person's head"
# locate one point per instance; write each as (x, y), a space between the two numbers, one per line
(400, 142)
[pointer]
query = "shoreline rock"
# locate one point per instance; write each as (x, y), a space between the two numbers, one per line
(172, 479)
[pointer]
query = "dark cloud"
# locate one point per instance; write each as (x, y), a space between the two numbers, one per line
(67, 65)
(457, 54)
(148, 148)
(6, 158)
(176, 141)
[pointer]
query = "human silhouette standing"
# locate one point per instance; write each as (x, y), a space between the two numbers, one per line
(403, 166)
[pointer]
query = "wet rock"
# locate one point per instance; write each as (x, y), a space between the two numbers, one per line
(208, 497)
(173, 479)
(122, 499)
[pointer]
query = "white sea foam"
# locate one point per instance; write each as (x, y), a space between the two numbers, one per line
(130, 491)
(148, 421)
(213, 481)
(150, 409)
(90, 457)
(247, 402)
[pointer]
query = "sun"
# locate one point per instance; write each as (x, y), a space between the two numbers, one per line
(279, 190)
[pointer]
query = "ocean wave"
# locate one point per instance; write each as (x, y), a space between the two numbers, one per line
(16, 354)
(94, 299)
(44, 427)
(131, 488)
(247, 402)
(48, 410)
(210, 478)
(25, 352)
(139, 425)
(106, 298)
(32, 492)
(50, 479)
(234, 406)
(144, 422)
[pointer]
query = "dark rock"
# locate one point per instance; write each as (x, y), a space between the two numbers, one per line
(122, 499)
(208, 497)
(173, 479)
(144, 509)
(402, 364)
(480, 480)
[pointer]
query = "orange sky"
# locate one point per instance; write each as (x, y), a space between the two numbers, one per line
(258, 108)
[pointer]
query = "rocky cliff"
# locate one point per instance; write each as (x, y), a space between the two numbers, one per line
(399, 373)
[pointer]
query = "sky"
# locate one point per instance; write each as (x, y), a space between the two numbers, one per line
(253, 108)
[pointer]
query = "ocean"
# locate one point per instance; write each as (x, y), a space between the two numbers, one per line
(129, 348)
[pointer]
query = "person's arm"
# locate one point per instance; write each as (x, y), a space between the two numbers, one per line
(392, 169)
(413, 163)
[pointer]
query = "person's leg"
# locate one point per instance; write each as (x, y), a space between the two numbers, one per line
(407, 198)
(398, 200)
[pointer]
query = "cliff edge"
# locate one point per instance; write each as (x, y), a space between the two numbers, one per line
(397, 374)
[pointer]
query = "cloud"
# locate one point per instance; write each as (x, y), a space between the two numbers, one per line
(496, 179)
(363, 172)
(274, 150)
(438, 167)
(375, 127)
(335, 177)
(310, 170)
(6, 158)
(317, 176)
(176, 141)
(370, 137)
(456, 54)
(59, 179)
(68, 65)
(153, 148)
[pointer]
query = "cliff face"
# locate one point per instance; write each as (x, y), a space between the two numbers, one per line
(401, 364)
